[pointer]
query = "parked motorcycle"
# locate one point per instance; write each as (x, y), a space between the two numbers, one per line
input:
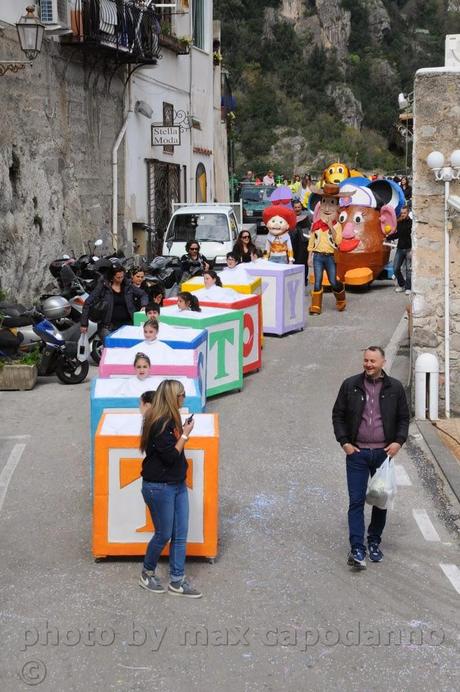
(75, 291)
(17, 317)
(165, 273)
(58, 351)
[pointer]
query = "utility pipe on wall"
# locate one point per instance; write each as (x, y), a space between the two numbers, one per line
(115, 148)
(446, 298)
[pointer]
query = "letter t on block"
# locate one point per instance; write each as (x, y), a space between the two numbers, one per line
(219, 338)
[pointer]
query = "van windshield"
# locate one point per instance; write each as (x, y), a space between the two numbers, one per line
(257, 193)
(201, 227)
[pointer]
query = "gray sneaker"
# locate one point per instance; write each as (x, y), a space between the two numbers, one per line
(183, 588)
(149, 581)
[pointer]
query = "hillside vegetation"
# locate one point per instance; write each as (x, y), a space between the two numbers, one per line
(319, 79)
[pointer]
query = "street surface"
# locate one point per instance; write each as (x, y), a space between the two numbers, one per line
(281, 609)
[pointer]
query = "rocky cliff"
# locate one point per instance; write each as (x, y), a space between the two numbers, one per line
(59, 122)
(322, 77)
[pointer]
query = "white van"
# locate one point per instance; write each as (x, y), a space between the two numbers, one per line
(214, 226)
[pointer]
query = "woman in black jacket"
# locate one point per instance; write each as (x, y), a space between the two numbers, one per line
(244, 246)
(193, 262)
(114, 300)
(163, 487)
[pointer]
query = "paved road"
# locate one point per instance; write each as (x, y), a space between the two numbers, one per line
(281, 609)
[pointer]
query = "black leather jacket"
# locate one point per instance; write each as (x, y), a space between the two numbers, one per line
(349, 407)
(104, 290)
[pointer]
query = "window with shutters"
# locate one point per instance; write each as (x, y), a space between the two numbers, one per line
(198, 11)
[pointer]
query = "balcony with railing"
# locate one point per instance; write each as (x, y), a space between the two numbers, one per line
(127, 29)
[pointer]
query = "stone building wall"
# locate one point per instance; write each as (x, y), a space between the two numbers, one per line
(436, 127)
(58, 121)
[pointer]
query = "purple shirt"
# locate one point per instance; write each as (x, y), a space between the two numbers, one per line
(371, 434)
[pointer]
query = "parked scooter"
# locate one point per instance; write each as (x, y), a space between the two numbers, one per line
(58, 351)
(17, 317)
(85, 267)
(165, 272)
(76, 294)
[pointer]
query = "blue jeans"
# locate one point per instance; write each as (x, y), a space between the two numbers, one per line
(402, 256)
(361, 465)
(279, 259)
(168, 505)
(326, 262)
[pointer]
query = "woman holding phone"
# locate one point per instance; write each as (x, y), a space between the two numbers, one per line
(163, 487)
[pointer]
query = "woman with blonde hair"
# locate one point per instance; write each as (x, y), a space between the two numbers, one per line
(163, 487)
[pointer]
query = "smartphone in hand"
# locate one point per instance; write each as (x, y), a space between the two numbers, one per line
(189, 419)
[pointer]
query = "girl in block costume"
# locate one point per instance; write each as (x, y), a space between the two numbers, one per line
(164, 470)
(325, 237)
(279, 220)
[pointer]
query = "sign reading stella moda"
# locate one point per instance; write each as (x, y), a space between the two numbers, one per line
(162, 135)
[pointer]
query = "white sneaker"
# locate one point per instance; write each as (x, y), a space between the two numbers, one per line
(398, 289)
(407, 292)
(183, 588)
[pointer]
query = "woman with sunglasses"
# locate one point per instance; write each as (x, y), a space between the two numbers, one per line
(164, 469)
(244, 246)
(193, 262)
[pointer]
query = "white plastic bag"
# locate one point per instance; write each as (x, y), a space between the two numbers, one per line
(381, 489)
(83, 349)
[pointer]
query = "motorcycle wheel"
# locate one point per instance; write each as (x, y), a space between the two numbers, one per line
(97, 346)
(71, 370)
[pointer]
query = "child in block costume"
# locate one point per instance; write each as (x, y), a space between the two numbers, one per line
(279, 220)
(325, 237)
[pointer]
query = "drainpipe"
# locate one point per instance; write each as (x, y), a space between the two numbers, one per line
(118, 141)
(446, 298)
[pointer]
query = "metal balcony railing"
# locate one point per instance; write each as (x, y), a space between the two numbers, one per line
(125, 26)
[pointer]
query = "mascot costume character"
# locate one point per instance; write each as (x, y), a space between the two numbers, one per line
(368, 213)
(279, 220)
(325, 237)
(337, 172)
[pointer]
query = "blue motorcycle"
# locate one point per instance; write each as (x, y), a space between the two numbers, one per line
(58, 351)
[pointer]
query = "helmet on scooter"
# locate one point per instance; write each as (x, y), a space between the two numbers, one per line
(56, 307)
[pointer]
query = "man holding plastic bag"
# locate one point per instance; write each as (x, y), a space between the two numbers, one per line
(371, 422)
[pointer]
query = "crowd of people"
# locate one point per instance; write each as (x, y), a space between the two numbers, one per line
(300, 186)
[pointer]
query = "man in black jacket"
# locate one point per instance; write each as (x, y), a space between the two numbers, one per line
(403, 251)
(300, 236)
(371, 421)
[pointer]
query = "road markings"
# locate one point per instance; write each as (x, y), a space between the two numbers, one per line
(452, 572)
(14, 437)
(8, 470)
(425, 525)
(402, 477)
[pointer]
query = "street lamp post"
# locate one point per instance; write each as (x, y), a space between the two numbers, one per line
(445, 174)
(406, 102)
(30, 33)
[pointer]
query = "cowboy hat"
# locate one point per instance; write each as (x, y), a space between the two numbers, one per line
(328, 190)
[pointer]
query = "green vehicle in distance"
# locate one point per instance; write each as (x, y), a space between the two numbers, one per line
(255, 198)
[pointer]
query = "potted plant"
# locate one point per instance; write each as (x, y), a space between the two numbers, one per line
(19, 373)
(178, 44)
